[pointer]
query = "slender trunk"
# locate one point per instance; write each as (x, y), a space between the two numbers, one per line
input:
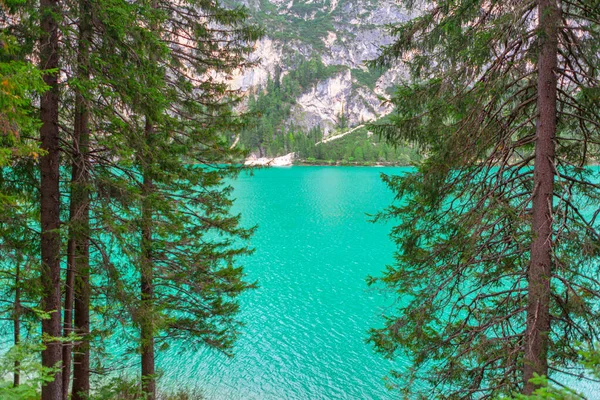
(17, 322)
(80, 217)
(147, 286)
(147, 266)
(68, 313)
(540, 268)
(50, 199)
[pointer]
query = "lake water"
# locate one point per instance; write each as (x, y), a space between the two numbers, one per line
(307, 323)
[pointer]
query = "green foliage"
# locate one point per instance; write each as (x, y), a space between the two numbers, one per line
(20, 81)
(342, 120)
(181, 395)
(175, 139)
(124, 388)
(369, 77)
(305, 22)
(359, 147)
(463, 224)
(590, 360)
(547, 391)
(23, 359)
(118, 389)
(271, 106)
(268, 134)
(158, 114)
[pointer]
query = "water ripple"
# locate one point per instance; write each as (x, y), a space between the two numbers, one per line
(307, 323)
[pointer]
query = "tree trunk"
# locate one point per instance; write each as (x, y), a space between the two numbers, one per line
(17, 322)
(540, 268)
(147, 286)
(80, 216)
(68, 311)
(147, 266)
(50, 199)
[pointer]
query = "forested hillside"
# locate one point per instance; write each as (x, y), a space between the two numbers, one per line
(313, 80)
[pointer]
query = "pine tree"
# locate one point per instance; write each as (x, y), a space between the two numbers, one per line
(20, 78)
(77, 285)
(497, 233)
(145, 103)
(19, 125)
(50, 197)
(161, 197)
(183, 203)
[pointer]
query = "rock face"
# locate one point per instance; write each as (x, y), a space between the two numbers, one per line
(337, 96)
(343, 33)
(270, 54)
(283, 161)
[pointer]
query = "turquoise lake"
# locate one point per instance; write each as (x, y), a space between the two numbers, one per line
(307, 323)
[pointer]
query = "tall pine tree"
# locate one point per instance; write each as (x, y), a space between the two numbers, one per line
(497, 236)
(50, 197)
(137, 132)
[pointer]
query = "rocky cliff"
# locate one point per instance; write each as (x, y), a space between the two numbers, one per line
(341, 33)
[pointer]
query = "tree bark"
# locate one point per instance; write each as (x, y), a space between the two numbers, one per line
(50, 198)
(147, 285)
(540, 268)
(68, 312)
(80, 217)
(147, 267)
(17, 322)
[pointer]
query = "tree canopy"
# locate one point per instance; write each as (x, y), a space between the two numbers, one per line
(116, 171)
(496, 270)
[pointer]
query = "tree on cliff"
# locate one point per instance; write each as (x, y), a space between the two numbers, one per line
(498, 233)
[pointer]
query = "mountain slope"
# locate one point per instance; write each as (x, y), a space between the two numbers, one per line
(312, 74)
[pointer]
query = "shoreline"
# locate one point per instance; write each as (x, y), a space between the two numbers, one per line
(304, 163)
(289, 160)
(326, 164)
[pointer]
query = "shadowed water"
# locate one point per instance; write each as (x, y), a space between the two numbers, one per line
(307, 323)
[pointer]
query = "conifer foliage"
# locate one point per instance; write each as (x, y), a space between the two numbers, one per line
(496, 270)
(117, 220)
